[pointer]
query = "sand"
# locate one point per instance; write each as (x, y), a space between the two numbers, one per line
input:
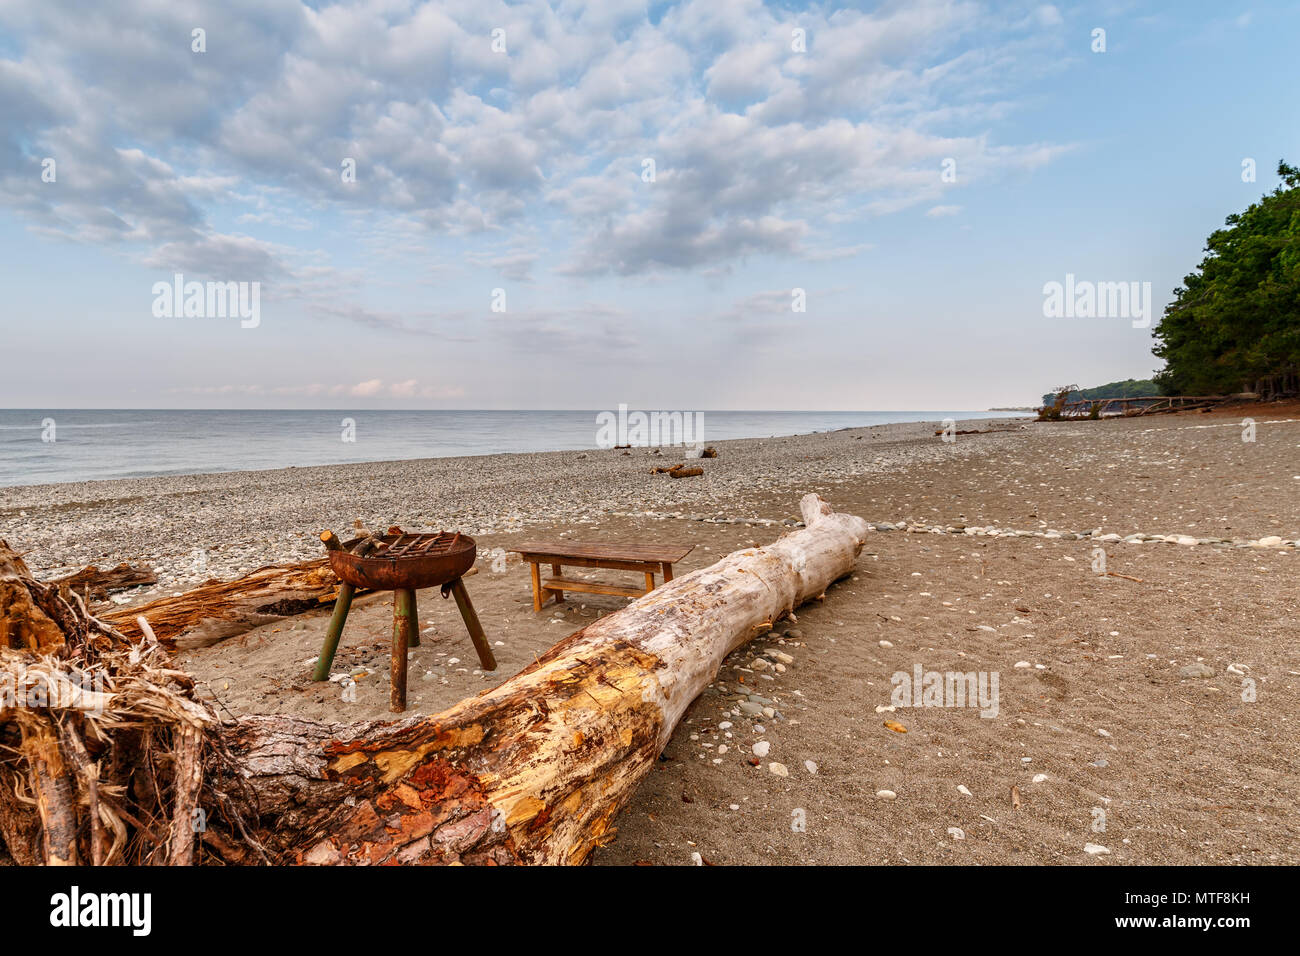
(1106, 742)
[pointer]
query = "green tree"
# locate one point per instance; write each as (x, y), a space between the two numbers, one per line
(1234, 324)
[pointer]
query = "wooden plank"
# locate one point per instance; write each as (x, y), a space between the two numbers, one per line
(537, 587)
(606, 563)
(655, 553)
(590, 587)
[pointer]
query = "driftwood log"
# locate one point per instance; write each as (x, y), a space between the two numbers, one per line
(223, 609)
(532, 771)
(91, 582)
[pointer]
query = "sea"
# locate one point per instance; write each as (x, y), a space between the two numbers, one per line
(43, 446)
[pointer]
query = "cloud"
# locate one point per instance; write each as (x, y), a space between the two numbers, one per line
(517, 266)
(198, 162)
(414, 389)
(371, 388)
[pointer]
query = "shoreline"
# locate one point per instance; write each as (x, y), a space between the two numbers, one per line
(187, 472)
(222, 524)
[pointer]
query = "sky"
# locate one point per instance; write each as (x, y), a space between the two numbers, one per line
(585, 204)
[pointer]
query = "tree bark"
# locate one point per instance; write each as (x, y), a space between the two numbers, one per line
(536, 769)
(24, 624)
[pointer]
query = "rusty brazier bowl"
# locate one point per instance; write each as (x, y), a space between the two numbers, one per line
(406, 561)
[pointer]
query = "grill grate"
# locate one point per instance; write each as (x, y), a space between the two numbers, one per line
(417, 545)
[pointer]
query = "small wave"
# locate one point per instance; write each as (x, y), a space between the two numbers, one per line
(61, 426)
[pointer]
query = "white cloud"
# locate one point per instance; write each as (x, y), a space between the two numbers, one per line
(760, 150)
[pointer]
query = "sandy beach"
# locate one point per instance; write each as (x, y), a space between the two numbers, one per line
(983, 557)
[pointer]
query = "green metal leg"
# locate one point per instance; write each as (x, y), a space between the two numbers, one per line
(332, 634)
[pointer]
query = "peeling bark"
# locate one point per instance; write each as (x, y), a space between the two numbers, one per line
(24, 624)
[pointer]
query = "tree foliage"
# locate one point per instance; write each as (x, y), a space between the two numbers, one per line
(1234, 324)
(1128, 388)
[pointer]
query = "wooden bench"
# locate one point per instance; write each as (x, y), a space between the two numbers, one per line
(646, 558)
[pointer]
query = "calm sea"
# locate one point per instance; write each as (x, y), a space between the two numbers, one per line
(103, 443)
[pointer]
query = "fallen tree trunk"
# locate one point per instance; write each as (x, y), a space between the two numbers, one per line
(223, 609)
(535, 770)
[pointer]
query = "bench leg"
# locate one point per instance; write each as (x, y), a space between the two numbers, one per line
(332, 633)
(649, 581)
(668, 572)
(403, 621)
(537, 586)
(559, 595)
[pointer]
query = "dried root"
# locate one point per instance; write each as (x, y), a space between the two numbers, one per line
(105, 750)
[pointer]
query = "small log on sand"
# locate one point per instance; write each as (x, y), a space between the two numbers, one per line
(96, 583)
(220, 610)
(535, 770)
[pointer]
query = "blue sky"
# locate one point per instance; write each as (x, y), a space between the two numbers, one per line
(477, 170)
